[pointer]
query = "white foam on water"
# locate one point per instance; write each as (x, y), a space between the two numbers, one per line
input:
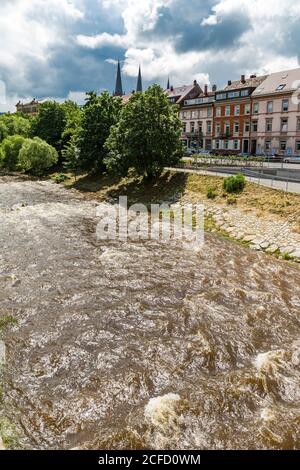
(161, 411)
(2, 352)
(264, 361)
(267, 414)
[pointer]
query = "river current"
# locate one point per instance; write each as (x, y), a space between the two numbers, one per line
(142, 345)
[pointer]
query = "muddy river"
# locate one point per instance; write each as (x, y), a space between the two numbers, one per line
(142, 344)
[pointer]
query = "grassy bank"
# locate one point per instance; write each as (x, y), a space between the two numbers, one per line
(175, 186)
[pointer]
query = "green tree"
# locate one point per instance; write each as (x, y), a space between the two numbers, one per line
(36, 156)
(10, 148)
(72, 122)
(100, 113)
(147, 136)
(13, 124)
(3, 131)
(49, 124)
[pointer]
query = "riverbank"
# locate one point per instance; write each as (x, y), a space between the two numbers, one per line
(261, 218)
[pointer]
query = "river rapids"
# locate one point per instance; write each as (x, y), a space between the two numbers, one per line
(141, 345)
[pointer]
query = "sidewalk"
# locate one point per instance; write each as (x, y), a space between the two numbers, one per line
(269, 183)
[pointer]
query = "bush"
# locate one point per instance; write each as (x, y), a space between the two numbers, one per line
(11, 147)
(234, 184)
(36, 156)
(211, 193)
(60, 178)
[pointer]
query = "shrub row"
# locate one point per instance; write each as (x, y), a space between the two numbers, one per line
(34, 156)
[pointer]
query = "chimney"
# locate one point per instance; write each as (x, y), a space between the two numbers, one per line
(206, 90)
(229, 82)
(195, 83)
(243, 79)
(253, 76)
(214, 88)
(172, 88)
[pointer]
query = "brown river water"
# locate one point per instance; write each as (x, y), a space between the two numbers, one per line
(144, 344)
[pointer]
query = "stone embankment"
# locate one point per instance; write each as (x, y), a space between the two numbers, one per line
(267, 233)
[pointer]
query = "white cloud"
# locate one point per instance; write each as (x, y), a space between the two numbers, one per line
(104, 39)
(33, 30)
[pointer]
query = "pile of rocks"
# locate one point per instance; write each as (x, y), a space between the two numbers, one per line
(269, 233)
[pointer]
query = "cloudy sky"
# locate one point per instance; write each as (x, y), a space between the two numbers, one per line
(61, 48)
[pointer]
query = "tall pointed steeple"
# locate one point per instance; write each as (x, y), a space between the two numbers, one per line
(168, 85)
(139, 86)
(119, 87)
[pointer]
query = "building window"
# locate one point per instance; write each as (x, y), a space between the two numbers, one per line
(268, 145)
(236, 144)
(184, 115)
(270, 107)
(245, 93)
(218, 111)
(227, 128)
(280, 87)
(254, 126)
(283, 145)
(200, 127)
(285, 105)
(247, 126)
(209, 112)
(255, 108)
(237, 110)
(208, 127)
(284, 125)
(192, 127)
(298, 146)
(233, 94)
(247, 108)
(226, 144)
(184, 127)
(195, 114)
(236, 127)
(221, 96)
(269, 125)
(227, 111)
(298, 125)
(218, 128)
(217, 144)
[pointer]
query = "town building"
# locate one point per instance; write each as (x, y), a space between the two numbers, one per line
(276, 114)
(177, 95)
(31, 109)
(196, 115)
(232, 116)
(257, 115)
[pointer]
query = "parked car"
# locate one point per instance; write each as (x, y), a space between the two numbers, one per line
(188, 152)
(292, 159)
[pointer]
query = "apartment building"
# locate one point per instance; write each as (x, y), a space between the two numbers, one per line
(232, 116)
(276, 114)
(177, 95)
(256, 115)
(197, 120)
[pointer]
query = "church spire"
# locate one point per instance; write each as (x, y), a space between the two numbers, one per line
(119, 87)
(168, 85)
(139, 86)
